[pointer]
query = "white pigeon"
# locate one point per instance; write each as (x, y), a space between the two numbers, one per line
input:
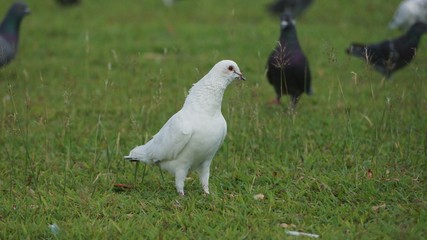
(190, 138)
(409, 12)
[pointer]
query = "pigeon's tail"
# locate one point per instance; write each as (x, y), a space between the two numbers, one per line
(276, 7)
(138, 154)
(309, 91)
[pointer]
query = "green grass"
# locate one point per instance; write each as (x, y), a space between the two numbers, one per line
(93, 81)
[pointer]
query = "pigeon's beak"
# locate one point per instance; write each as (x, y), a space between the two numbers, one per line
(241, 77)
(27, 10)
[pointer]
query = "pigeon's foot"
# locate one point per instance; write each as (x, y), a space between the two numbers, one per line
(293, 105)
(206, 189)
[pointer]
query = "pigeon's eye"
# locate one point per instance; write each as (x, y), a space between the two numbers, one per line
(231, 68)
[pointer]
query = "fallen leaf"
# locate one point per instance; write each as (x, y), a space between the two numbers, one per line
(369, 174)
(259, 196)
(393, 179)
(31, 192)
(285, 225)
(119, 187)
(375, 208)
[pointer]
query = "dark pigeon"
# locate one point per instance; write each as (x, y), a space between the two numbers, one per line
(389, 56)
(295, 7)
(287, 66)
(68, 2)
(9, 32)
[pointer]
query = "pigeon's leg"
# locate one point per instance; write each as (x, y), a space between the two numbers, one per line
(388, 75)
(180, 175)
(278, 91)
(204, 175)
(293, 104)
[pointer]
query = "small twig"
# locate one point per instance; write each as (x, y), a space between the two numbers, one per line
(295, 233)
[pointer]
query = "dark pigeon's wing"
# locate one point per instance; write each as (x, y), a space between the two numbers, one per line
(6, 52)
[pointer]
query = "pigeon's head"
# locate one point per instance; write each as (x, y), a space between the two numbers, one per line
(353, 48)
(228, 70)
(19, 10)
(356, 49)
(286, 20)
(418, 27)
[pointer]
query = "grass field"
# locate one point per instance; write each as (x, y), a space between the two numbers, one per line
(93, 81)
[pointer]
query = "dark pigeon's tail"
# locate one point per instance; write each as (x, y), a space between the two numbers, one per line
(296, 7)
(309, 91)
(68, 2)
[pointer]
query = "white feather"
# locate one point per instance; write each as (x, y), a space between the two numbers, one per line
(409, 12)
(190, 138)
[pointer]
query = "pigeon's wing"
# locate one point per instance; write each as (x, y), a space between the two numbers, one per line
(224, 131)
(307, 79)
(171, 139)
(6, 52)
